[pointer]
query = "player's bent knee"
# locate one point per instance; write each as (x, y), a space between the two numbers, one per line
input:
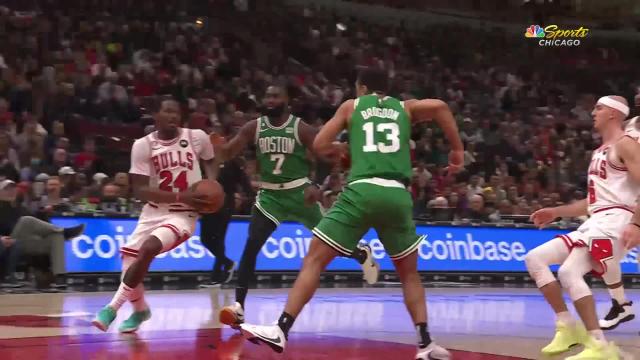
(573, 282)
(150, 248)
(538, 269)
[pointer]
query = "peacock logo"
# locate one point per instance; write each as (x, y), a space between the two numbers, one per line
(534, 31)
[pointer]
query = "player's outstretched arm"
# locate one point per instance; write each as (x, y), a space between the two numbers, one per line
(438, 110)
(575, 209)
(229, 150)
(307, 134)
(209, 162)
(323, 145)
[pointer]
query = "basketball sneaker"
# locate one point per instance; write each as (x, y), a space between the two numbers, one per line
(566, 337)
(271, 335)
(227, 273)
(134, 321)
(232, 315)
(618, 314)
(104, 318)
(433, 352)
(596, 350)
(370, 267)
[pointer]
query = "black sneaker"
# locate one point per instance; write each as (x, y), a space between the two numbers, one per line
(618, 314)
(209, 285)
(11, 284)
(73, 232)
(227, 272)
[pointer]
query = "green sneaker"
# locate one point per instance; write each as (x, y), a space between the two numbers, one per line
(594, 350)
(104, 318)
(566, 337)
(134, 321)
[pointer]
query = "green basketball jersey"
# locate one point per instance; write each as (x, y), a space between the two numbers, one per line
(280, 154)
(379, 134)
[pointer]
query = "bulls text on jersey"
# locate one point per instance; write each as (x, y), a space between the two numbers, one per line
(172, 159)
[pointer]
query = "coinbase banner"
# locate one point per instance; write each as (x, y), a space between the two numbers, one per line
(446, 248)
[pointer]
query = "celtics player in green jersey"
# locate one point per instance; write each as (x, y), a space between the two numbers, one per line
(286, 193)
(379, 128)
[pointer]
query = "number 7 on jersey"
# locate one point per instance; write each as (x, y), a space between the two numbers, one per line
(279, 159)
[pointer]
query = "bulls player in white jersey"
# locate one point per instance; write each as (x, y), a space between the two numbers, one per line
(164, 166)
(621, 309)
(597, 245)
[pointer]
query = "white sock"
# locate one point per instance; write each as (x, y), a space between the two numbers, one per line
(618, 295)
(566, 318)
(136, 299)
(121, 296)
(598, 335)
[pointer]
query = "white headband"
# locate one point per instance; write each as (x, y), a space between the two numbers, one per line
(614, 104)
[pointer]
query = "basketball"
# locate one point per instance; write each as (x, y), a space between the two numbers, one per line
(214, 192)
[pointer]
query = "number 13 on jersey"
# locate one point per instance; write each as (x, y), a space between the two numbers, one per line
(392, 132)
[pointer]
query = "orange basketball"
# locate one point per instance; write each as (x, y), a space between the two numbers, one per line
(214, 193)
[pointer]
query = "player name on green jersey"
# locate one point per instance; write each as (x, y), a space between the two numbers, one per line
(380, 113)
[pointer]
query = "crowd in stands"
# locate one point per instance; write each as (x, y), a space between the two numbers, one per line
(79, 77)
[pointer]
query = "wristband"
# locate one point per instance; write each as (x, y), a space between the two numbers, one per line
(637, 225)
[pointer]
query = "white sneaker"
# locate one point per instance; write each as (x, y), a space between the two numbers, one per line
(618, 314)
(232, 315)
(433, 352)
(271, 335)
(370, 267)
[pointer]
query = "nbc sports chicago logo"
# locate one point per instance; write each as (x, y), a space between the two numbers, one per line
(553, 35)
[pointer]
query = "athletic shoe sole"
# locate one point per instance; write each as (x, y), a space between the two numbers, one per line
(99, 325)
(259, 340)
(623, 320)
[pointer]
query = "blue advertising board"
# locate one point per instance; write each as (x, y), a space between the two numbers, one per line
(446, 248)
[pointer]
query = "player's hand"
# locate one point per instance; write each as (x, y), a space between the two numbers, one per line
(631, 236)
(217, 139)
(194, 200)
(456, 162)
(7, 241)
(336, 153)
(543, 217)
(312, 195)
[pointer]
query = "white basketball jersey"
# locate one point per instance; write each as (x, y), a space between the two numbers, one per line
(609, 185)
(630, 128)
(172, 165)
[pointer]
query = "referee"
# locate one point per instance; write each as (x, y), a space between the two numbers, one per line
(214, 226)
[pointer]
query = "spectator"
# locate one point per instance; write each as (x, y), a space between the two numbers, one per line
(470, 134)
(52, 201)
(122, 181)
(474, 187)
(505, 208)
(439, 209)
(24, 236)
(476, 211)
(60, 162)
(423, 174)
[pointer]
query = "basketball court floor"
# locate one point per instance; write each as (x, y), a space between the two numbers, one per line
(477, 323)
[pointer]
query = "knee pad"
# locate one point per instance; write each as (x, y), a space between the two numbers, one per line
(538, 269)
(573, 282)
